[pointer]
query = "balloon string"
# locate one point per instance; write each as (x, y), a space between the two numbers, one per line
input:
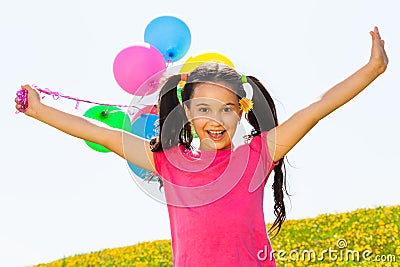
(170, 63)
(56, 95)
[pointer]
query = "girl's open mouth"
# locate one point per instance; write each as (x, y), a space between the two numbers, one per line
(216, 135)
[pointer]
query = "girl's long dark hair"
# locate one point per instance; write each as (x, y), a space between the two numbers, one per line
(174, 128)
(263, 122)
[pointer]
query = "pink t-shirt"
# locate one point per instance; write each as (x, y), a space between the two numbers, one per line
(215, 204)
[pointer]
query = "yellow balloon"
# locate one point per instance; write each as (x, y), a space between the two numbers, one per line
(193, 62)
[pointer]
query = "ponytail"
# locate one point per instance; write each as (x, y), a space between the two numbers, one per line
(173, 126)
(264, 120)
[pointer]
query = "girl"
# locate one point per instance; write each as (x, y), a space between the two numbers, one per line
(215, 193)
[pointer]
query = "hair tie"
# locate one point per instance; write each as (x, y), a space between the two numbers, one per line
(246, 104)
(244, 79)
(183, 80)
(181, 85)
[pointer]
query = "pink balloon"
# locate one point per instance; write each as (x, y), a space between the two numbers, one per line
(137, 69)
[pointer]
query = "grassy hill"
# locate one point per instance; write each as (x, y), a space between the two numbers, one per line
(364, 237)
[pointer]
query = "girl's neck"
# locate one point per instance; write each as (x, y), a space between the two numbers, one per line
(210, 150)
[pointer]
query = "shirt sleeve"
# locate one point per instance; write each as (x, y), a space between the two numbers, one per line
(267, 156)
(159, 159)
(265, 165)
(259, 143)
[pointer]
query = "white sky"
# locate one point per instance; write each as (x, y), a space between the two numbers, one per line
(58, 197)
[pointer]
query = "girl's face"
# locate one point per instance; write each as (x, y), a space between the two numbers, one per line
(214, 113)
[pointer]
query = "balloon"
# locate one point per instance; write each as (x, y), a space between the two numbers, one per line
(170, 35)
(142, 173)
(137, 69)
(193, 62)
(110, 115)
(146, 110)
(144, 126)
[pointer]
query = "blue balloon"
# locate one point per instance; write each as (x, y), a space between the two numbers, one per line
(144, 126)
(170, 35)
(142, 173)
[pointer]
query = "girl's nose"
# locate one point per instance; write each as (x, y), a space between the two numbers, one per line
(216, 119)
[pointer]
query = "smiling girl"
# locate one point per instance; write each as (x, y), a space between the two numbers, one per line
(215, 193)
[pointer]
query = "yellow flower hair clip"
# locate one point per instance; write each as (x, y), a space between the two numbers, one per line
(246, 104)
(183, 80)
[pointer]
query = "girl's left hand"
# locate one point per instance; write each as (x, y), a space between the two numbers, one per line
(378, 57)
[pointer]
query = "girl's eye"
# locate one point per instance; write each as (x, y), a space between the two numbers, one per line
(203, 109)
(227, 109)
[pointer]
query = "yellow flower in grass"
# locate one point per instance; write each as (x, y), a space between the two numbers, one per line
(245, 104)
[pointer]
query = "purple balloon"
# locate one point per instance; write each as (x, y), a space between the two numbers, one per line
(137, 69)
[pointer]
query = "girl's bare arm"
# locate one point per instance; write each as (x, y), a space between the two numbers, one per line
(284, 137)
(133, 148)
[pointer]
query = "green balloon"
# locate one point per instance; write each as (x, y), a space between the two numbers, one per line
(110, 115)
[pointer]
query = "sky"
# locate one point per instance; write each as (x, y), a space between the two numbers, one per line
(58, 197)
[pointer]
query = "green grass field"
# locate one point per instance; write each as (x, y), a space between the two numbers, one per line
(364, 237)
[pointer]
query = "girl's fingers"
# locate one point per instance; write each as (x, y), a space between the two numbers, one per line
(385, 55)
(26, 87)
(374, 35)
(376, 30)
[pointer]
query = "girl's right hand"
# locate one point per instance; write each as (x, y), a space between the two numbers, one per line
(33, 101)
(378, 58)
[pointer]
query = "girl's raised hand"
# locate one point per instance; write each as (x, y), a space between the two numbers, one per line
(378, 57)
(33, 99)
